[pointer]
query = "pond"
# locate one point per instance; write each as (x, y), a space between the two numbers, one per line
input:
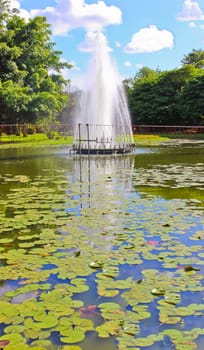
(102, 252)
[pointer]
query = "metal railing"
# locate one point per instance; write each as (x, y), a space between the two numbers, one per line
(35, 132)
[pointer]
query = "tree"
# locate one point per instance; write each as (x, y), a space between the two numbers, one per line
(140, 91)
(31, 68)
(146, 74)
(153, 95)
(191, 101)
(195, 58)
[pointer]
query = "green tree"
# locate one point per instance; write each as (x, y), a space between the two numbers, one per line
(140, 92)
(153, 95)
(195, 58)
(191, 101)
(168, 88)
(31, 67)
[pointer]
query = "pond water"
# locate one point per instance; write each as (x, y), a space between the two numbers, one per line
(102, 252)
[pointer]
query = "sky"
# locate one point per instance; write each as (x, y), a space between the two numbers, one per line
(140, 33)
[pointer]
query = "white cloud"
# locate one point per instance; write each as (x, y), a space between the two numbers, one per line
(71, 14)
(150, 39)
(192, 24)
(89, 44)
(190, 12)
(127, 64)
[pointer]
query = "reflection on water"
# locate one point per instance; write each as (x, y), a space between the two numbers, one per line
(120, 233)
(99, 177)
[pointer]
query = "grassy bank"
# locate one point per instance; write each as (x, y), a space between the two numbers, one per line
(36, 140)
(42, 140)
(149, 140)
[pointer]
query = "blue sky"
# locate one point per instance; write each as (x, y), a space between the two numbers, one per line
(152, 33)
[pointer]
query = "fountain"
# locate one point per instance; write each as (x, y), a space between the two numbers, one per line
(103, 123)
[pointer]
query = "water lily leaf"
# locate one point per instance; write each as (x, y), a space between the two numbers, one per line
(111, 272)
(21, 178)
(45, 321)
(158, 291)
(27, 237)
(8, 309)
(27, 244)
(141, 312)
(17, 320)
(22, 346)
(28, 288)
(131, 329)
(169, 319)
(73, 336)
(105, 292)
(14, 329)
(96, 264)
(111, 311)
(41, 344)
(108, 328)
(172, 298)
(31, 333)
(14, 339)
(144, 342)
(6, 240)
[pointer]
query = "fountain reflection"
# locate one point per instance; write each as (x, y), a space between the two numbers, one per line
(102, 184)
(103, 179)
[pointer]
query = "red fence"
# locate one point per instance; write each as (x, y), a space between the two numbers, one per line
(55, 130)
(30, 129)
(167, 129)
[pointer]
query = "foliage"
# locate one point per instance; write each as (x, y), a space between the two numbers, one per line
(168, 97)
(31, 81)
(196, 58)
(193, 91)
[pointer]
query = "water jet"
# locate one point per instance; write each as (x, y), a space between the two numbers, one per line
(103, 124)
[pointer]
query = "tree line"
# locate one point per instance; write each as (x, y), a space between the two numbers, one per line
(174, 97)
(33, 88)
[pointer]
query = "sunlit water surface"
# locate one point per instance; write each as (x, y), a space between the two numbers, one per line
(102, 252)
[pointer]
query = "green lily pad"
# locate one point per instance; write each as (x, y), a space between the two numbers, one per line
(108, 329)
(158, 291)
(41, 344)
(45, 321)
(6, 240)
(73, 336)
(14, 329)
(96, 265)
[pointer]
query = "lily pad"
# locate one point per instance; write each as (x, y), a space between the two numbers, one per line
(73, 336)
(96, 265)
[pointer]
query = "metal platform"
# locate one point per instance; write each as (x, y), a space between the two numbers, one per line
(91, 140)
(118, 150)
